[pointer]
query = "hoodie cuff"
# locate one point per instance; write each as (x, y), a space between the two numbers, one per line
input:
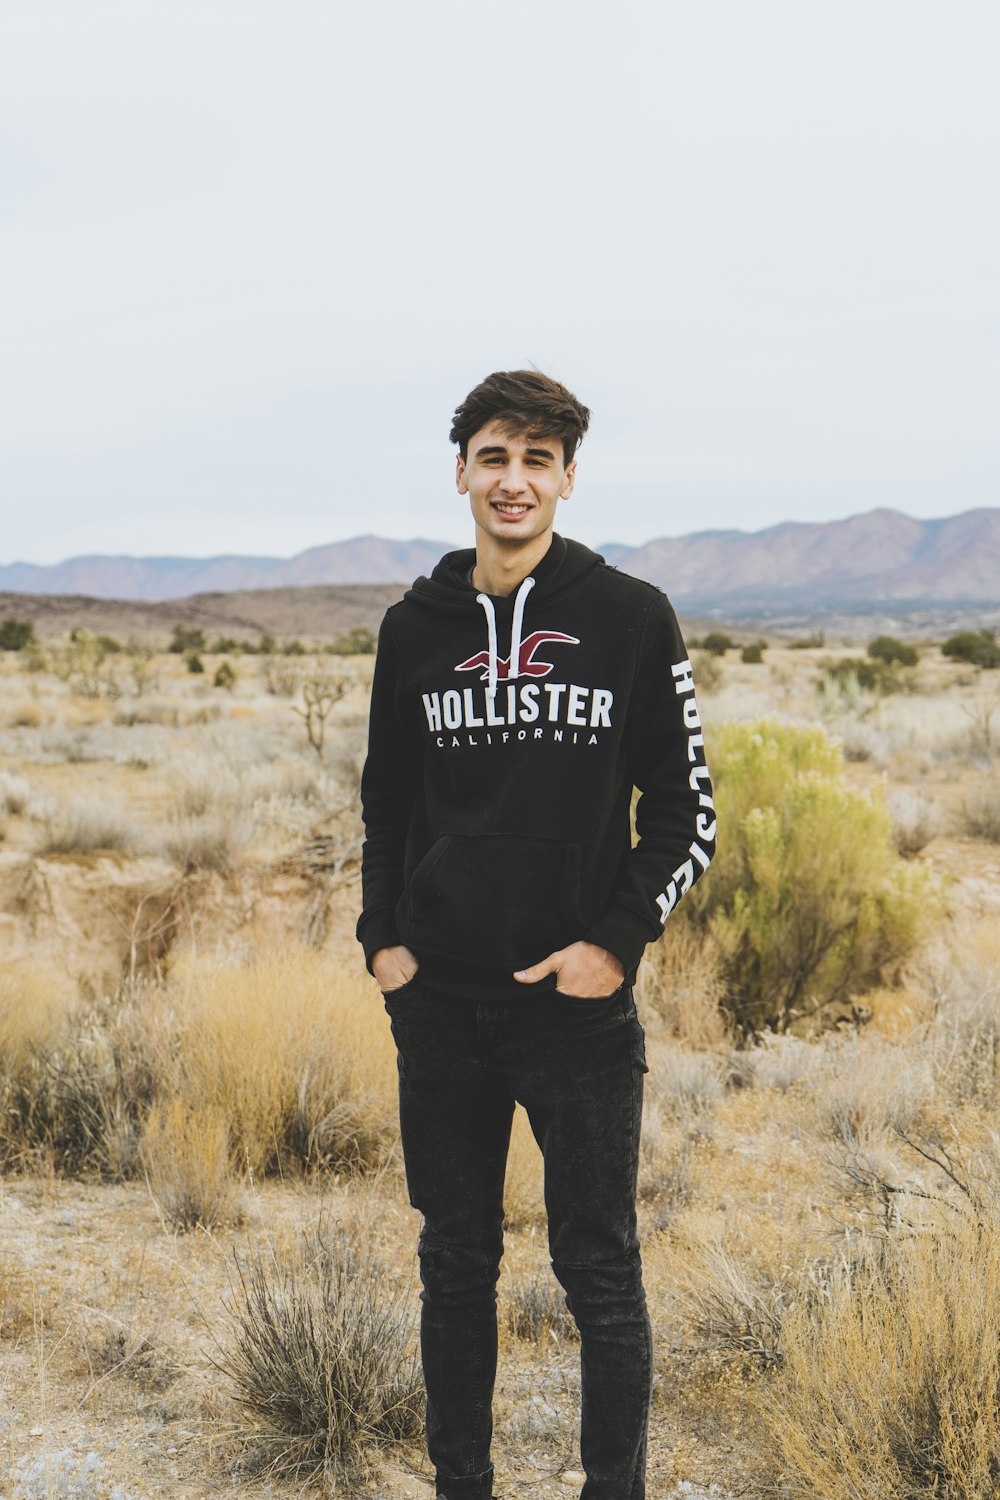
(377, 929)
(624, 933)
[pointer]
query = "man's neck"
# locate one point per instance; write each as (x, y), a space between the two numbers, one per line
(499, 570)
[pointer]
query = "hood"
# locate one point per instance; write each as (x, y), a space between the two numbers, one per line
(448, 589)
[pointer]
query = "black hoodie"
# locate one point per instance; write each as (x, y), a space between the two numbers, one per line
(496, 800)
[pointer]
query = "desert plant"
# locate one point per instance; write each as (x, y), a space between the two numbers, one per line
(321, 1354)
(978, 647)
(716, 643)
(889, 1381)
(186, 638)
(980, 815)
(533, 1306)
(319, 694)
(888, 649)
(753, 653)
(225, 676)
(359, 641)
(86, 825)
(16, 634)
(194, 663)
(185, 1154)
(807, 898)
(83, 665)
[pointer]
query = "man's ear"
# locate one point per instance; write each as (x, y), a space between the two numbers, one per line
(567, 488)
(460, 484)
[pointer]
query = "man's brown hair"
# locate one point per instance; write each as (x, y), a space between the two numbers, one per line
(523, 402)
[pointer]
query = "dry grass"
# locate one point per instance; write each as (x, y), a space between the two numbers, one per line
(295, 1053)
(321, 1355)
(523, 1197)
(186, 1156)
(890, 1384)
(980, 815)
(83, 825)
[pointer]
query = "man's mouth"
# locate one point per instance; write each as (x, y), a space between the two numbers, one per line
(506, 509)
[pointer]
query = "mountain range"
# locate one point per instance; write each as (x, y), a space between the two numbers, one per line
(881, 557)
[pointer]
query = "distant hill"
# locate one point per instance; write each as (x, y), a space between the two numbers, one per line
(363, 559)
(872, 561)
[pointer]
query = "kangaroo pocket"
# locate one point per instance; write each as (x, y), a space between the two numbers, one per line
(495, 899)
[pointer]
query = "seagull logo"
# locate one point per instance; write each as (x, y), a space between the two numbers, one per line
(526, 664)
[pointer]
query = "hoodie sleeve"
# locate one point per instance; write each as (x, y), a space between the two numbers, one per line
(388, 788)
(675, 814)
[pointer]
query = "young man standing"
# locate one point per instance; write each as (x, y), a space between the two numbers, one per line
(520, 693)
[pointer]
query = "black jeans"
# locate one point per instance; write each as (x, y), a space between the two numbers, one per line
(577, 1068)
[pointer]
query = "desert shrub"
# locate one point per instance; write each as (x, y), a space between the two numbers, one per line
(185, 639)
(734, 1308)
(75, 1081)
(266, 645)
(682, 980)
(978, 647)
(321, 1355)
(16, 634)
(215, 840)
(86, 825)
(359, 641)
(225, 645)
(980, 815)
(687, 1083)
(893, 652)
(915, 820)
(716, 643)
(808, 642)
(186, 1157)
(707, 671)
(194, 663)
(225, 676)
(753, 654)
(533, 1305)
(294, 648)
(807, 898)
(15, 793)
(871, 676)
(889, 1381)
(83, 664)
(297, 1058)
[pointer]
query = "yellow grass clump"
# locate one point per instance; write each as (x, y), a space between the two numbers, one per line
(890, 1385)
(294, 1053)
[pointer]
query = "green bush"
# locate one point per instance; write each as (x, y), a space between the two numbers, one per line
(267, 644)
(186, 638)
(807, 897)
(294, 648)
(892, 651)
(225, 676)
(717, 643)
(195, 663)
(754, 652)
(359, 641)
(979, 647)
(808, 642)
(870, 676)
(16, 634)
(226, 645)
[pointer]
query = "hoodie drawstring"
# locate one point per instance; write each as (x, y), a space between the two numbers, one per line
(514, 660)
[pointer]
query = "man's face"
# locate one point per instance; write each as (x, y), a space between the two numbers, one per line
(514, 483)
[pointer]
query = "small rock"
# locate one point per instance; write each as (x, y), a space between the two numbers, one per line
(571, 1476)
(38, 1432)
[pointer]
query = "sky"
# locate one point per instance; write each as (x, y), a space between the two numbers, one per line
(253, 254)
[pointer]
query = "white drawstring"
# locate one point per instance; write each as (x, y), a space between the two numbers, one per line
(491, 627)
(514, 663)
(515, 630)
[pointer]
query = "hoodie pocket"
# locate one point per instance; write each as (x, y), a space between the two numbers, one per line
(495, 899)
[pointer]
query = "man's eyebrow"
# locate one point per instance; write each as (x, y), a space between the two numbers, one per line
(499, 448)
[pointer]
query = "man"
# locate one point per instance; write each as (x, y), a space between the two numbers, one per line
(519, 695)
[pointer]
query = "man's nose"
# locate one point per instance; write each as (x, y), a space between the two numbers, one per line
(513, 482)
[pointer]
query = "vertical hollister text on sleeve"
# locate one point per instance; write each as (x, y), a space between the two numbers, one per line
(675, 813)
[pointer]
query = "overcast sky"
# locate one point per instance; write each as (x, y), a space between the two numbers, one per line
(253, 254)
